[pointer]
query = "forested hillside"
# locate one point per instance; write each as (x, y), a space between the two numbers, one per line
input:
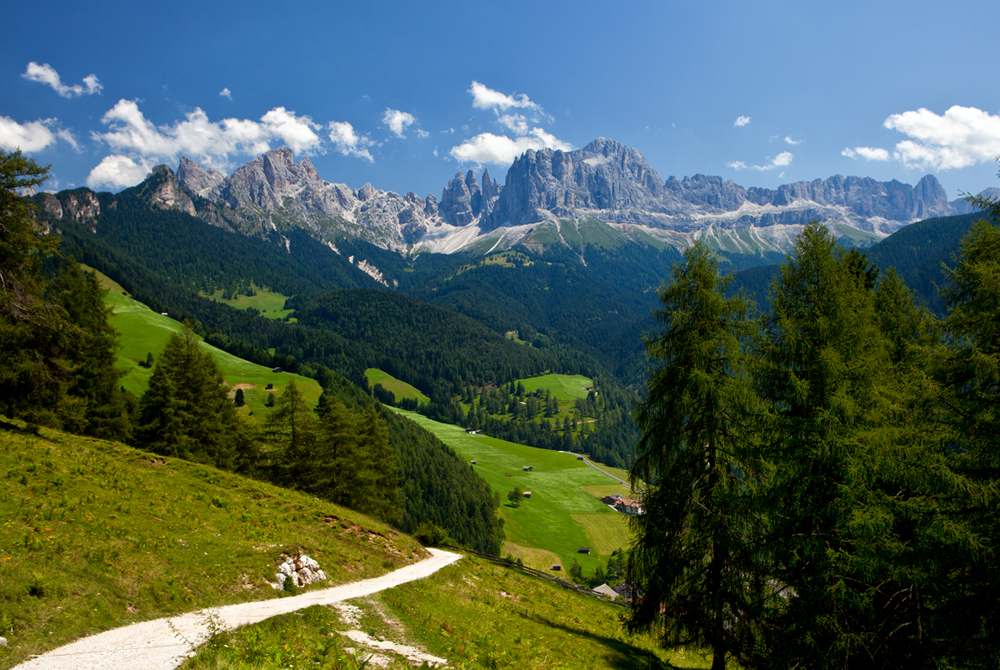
(57, 369)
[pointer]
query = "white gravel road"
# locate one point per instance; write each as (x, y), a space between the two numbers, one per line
(157, 645)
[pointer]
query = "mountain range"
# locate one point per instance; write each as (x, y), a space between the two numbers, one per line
(605, 193)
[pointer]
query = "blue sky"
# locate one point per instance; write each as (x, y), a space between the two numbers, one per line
(405, 94)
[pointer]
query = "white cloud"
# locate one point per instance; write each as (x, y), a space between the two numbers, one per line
(741, 121)
(487, 98)
(964, 136)
(781, 160)
(422, 133)
(348, 142)
(789, 140)
(34, 135)
(397, 121)
(29, 137)
(296, 131)
(515, 122)
(868, 153)
(212, 143)
(46, 74)
(226, 93)
(501, 150)
(117, 172)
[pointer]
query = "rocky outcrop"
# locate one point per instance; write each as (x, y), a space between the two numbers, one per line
(604, 175)
(166, 192)
(199, 181)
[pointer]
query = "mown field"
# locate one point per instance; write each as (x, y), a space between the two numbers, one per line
(399, 388)
(557, 483)
(271, 305)
(143, 331)
(96, 535)
(564, 388)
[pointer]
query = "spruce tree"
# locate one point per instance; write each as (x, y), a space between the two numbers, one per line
(693, 561)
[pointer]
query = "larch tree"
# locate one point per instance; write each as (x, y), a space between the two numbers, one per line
(694, 560)
(859, 474)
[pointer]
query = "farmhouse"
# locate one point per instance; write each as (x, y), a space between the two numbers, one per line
(607, 591)
(527, 494)
(583, 550)
(527, 468)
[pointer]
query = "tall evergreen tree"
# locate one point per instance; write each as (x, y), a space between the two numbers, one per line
(104, 410)
(187, 412)
(35, 338)
(694, 559)
(858, 472)
(971, 375)
(291, 432)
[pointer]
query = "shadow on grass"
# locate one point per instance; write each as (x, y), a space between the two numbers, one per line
(621, 654)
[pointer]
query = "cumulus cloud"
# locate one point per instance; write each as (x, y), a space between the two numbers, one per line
(46, 74)
(963, 136)
(33, 136)
(502, 150)
(868, 153)
(487, 98)
(29, 137)
(210, 142)
(781, 160)
(226, 93)
(348, 142)
(515, 122)
(789, 140)
(741, 121)
(397, 121)
(116, 172)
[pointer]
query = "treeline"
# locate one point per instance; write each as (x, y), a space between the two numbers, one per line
(602, 428)
(823, 479)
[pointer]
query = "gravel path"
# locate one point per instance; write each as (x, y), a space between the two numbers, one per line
(157, 645)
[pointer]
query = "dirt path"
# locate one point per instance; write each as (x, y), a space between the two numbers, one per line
(608, 474)
(158, 644)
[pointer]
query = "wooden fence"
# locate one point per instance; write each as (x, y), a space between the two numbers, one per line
(544, 575)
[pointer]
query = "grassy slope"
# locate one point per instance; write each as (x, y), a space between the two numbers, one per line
(473, 613)
(556, 483)
(97, 535)
(400, 388)
(144, 331)
(566, 388)
(271, 305)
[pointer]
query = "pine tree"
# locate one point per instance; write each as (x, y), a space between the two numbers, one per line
(971, 375)
(291, 431)
(692, 561)
(186, 411)
(104, 410)
(35, 337)
(858, 470)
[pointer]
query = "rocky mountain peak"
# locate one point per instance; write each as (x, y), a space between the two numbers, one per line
(196, 180)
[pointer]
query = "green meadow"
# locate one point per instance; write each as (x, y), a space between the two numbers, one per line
(143, 331)
(271, 305)
(399, 388)
(561, 516)
(565, 388)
